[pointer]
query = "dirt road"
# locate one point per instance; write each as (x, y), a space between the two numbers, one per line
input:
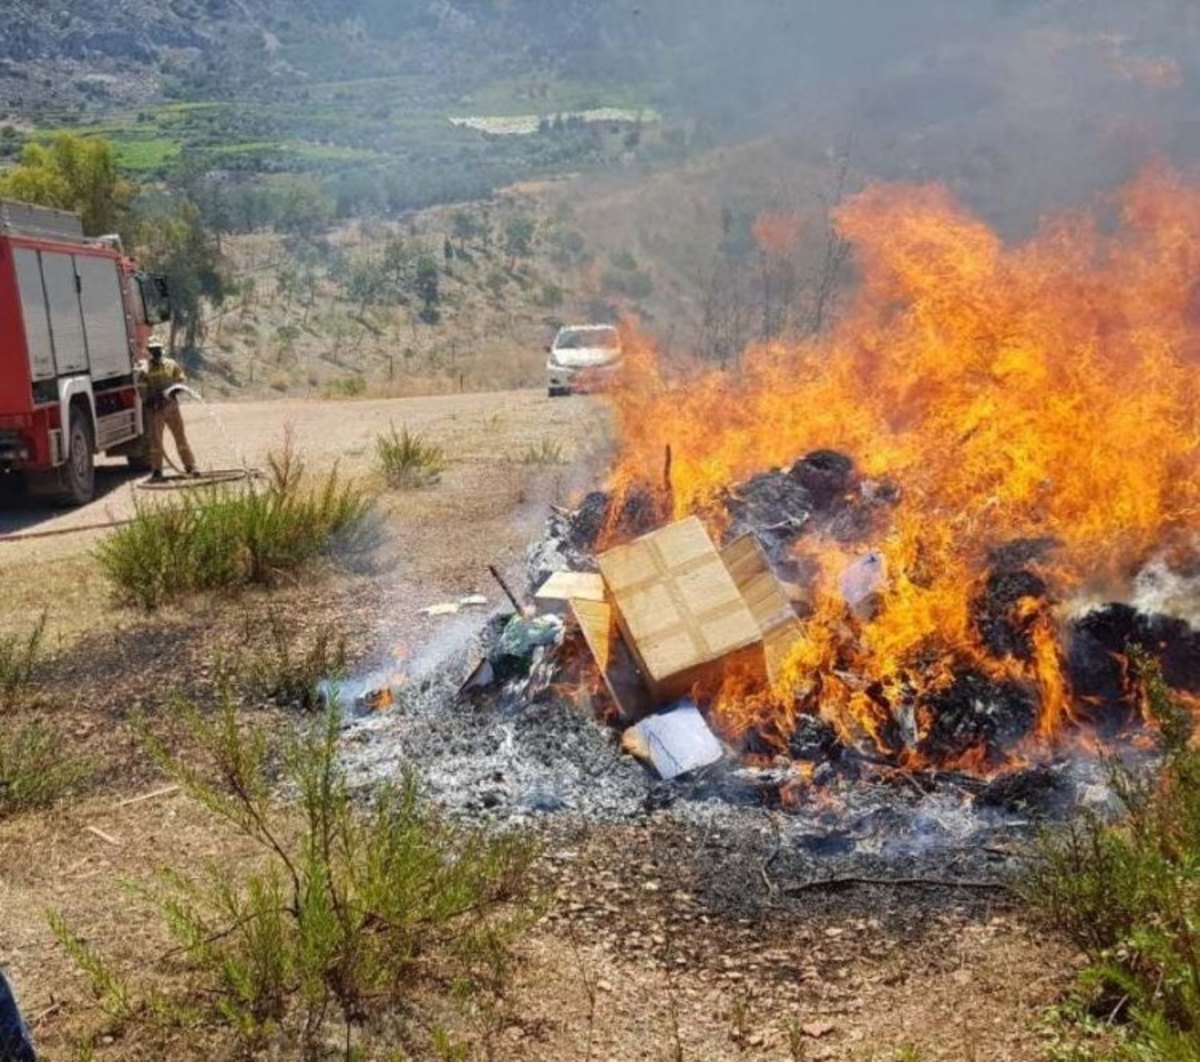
(507, 455)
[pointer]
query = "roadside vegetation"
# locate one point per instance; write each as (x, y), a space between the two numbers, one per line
(1127, 893)
(352, 914)
(407, 460)
(225, 538)
(34, 770)
(546, 452)
(291, 668)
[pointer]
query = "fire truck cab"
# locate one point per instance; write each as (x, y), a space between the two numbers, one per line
(75, 314)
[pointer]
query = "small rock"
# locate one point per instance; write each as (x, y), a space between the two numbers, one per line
(817, 1029)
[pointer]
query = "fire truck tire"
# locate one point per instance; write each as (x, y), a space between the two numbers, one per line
(78, 475)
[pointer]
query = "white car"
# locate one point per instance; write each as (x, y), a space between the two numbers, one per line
(582, 358)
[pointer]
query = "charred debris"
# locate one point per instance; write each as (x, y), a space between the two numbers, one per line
(632, 632)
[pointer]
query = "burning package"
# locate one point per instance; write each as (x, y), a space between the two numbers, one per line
(669, 612)
(682, 612)
(674, 742)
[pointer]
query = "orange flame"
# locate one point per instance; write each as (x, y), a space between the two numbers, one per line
(1050, 388)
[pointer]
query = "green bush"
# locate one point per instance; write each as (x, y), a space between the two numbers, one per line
(406, 460)
(18, 657)
(551, 296)
(547, 452)
(1127, 893)
(221, 538)
(34, 772)
(292, 670)
(353, 913)
(347, 387)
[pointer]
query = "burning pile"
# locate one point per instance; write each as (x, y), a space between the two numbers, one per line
(956, 490)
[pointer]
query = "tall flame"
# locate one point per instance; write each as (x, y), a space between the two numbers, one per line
(1047, 389)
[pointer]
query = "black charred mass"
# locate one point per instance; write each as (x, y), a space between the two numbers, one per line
(825, 474)
(1037, 790)
(588, 521)
(814, 740)
(1097, 646)
(975, 713)
(1004, 628)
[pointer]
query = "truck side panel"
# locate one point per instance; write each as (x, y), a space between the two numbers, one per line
(66, 320)
(103, 304)
(34, 314)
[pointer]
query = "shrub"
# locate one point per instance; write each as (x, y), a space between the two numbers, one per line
(547, 452)
(551, 296)
(407, 460)
(18, 657)
(33, 770)
(352, 911)
(633, 284)
(347, 387)
(221, 538)
(1128, 892)
(290, 674)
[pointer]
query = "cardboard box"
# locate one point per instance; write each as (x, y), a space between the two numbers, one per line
(765, 597)
(561, 588)
(616, 663)
(680, 610)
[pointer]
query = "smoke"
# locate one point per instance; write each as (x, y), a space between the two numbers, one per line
(1022, 107)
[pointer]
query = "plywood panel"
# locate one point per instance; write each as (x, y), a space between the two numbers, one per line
(617, 665)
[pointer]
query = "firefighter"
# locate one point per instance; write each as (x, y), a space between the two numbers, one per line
(158, 375)
(15, 1045)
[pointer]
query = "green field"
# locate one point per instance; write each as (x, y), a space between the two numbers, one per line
(394, 131)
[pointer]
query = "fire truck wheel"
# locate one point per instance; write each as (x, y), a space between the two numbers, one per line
(79, 473)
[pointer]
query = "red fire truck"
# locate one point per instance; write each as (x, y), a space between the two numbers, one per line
(75, 314)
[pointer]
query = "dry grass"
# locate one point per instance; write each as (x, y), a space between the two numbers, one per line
(66, 585)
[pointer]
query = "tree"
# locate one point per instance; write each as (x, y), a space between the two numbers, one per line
(179, 247)
(464, 226)
(425, 287)
(303, 206)
(518, 239)
(73, 173)
(366, 285)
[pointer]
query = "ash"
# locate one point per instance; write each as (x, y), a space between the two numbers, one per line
(519, 751)
(530, 757)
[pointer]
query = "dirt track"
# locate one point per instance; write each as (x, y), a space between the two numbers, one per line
(472, 427)
(488, 504)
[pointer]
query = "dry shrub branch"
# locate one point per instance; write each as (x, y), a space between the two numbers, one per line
(352, 915)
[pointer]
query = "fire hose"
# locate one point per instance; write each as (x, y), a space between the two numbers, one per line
(183, 480)
(213, 477)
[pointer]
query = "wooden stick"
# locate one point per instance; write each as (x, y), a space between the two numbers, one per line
(103, 836)
(507, 592)
(667, 470)
(165, 791)
(920, 883)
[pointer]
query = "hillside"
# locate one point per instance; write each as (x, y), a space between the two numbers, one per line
(313, 136)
